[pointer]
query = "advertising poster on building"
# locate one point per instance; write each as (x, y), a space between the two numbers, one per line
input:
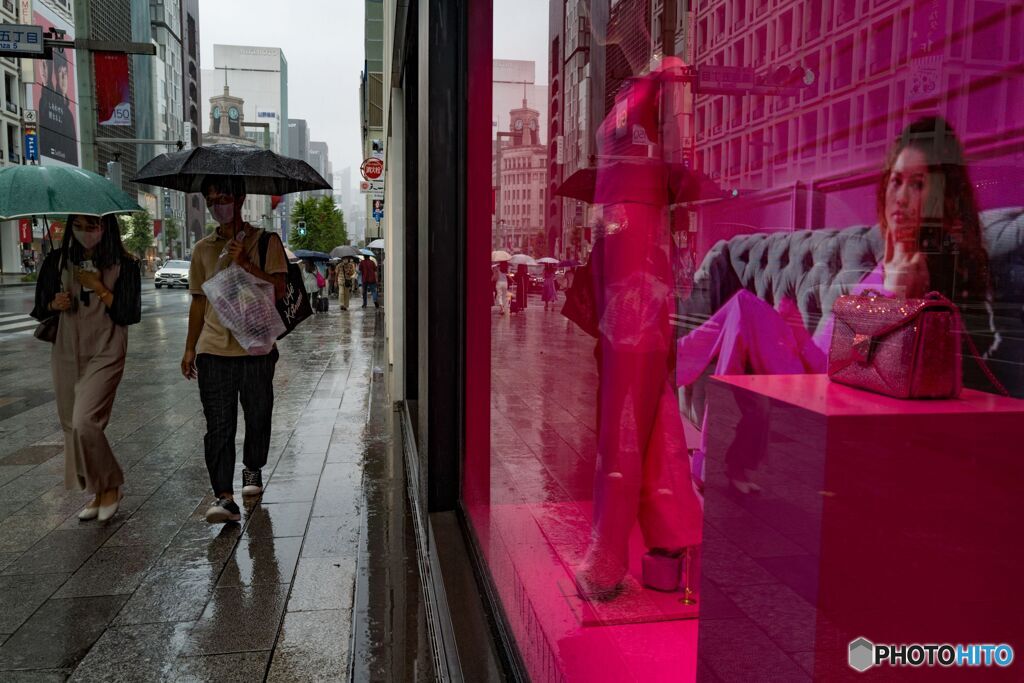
(55, 97)
(113, 91)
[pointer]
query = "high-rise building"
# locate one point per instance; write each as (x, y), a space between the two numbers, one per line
(319, 159)
(192, 104)
(298, 139)
(371, 98)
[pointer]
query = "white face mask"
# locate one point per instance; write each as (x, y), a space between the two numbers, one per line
(223, 213)
(88, 239)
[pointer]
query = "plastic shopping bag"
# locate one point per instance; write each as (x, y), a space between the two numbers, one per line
(245, 306)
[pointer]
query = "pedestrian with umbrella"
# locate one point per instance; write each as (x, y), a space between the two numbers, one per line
(87, 294)
(228, 374)
(89, 291)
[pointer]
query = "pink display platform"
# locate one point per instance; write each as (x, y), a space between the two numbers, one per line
(560, 636)
(899, 521)
(566, 527)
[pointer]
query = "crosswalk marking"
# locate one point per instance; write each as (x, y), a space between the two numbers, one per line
(15, 325)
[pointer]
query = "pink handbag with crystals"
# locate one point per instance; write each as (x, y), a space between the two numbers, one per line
(905, 348)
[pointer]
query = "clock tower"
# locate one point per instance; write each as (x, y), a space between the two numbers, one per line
(524, 123)
(226, 115)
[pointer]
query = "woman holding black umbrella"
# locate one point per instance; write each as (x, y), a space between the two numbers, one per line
(90, 289)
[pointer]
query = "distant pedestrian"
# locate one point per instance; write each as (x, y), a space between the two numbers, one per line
(309, 281)
(227, 373)
(550, 292)
(348, 281)
(332, 280)
(522, 286)
(501, 287)
(368, 270)
(94, 289)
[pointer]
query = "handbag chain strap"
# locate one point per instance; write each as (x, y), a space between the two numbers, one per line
(981, 363)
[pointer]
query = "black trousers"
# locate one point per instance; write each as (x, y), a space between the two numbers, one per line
(224, 381)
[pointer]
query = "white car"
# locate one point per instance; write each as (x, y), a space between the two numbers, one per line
(172, 273)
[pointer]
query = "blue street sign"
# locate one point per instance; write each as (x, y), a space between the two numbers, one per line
(32, 147)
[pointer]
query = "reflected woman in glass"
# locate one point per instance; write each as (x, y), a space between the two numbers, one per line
(932, 241)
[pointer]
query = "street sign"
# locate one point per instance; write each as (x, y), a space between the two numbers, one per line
(32, 147)
(374, 188)
(30, 115)
(372, 169)
(20, 40)
(724, 79)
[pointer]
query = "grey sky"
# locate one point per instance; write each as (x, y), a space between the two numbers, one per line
(523, 33)
(323, 43)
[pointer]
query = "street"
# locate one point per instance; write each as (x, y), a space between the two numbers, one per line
(157, 593)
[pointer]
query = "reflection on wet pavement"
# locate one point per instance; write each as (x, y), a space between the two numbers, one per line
(158, 594)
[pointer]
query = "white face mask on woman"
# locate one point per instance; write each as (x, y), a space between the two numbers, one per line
(88, 238)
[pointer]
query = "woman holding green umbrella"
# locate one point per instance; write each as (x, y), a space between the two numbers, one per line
(90, 289)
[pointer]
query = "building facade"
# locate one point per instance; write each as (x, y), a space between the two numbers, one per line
(371, 98)
(520, 188)
(192, 107)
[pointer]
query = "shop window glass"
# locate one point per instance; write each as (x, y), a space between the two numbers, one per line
(663, 436)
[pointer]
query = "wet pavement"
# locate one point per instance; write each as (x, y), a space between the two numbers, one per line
(157, 594)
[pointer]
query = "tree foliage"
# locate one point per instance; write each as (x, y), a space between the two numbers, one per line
(137, 232)
(325, 225)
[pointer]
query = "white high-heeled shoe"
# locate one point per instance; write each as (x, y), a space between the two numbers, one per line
(88, 513)
(108, 511)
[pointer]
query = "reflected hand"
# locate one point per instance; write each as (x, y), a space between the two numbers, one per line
(88, 279)
(906, 274)
(61, 302)
(188, 365)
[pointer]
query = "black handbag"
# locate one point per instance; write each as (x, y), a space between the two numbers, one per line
(294, 307)
(47, 330)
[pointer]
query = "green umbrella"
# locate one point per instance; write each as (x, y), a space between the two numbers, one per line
(58, 190)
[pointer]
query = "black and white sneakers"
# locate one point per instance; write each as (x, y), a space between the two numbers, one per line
(223, 510)
(252, 482)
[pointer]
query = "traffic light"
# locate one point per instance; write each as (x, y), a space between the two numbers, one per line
(784, 80)
(301, 229)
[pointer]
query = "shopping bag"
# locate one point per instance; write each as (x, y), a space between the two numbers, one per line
(245, 305)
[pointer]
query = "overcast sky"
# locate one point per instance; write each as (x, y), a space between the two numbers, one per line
(323, 43)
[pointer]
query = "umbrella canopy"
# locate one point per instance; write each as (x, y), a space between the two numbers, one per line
(569, 263)
(642, 181)
(548, 259)
(58, 190)
(366, 252)
(307, 255)
(520, 259)
(376, 244)
(263, 171)
(499, 256)
(344, 250)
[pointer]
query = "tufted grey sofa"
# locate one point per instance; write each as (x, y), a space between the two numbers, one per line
(815, 267)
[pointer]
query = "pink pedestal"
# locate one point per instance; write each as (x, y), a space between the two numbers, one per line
(899, 521)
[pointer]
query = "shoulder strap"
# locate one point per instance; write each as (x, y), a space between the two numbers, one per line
(981, 363)
(264, 245)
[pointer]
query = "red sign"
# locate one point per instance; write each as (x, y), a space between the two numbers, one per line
(113, 93)
(158, 226)
(372, 169)
(25, 230)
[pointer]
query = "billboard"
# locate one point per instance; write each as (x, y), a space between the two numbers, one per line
(54, 96)
(113, 91)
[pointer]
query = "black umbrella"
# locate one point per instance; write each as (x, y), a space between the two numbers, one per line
(680, 183)
(307, 255)
(263, 171)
